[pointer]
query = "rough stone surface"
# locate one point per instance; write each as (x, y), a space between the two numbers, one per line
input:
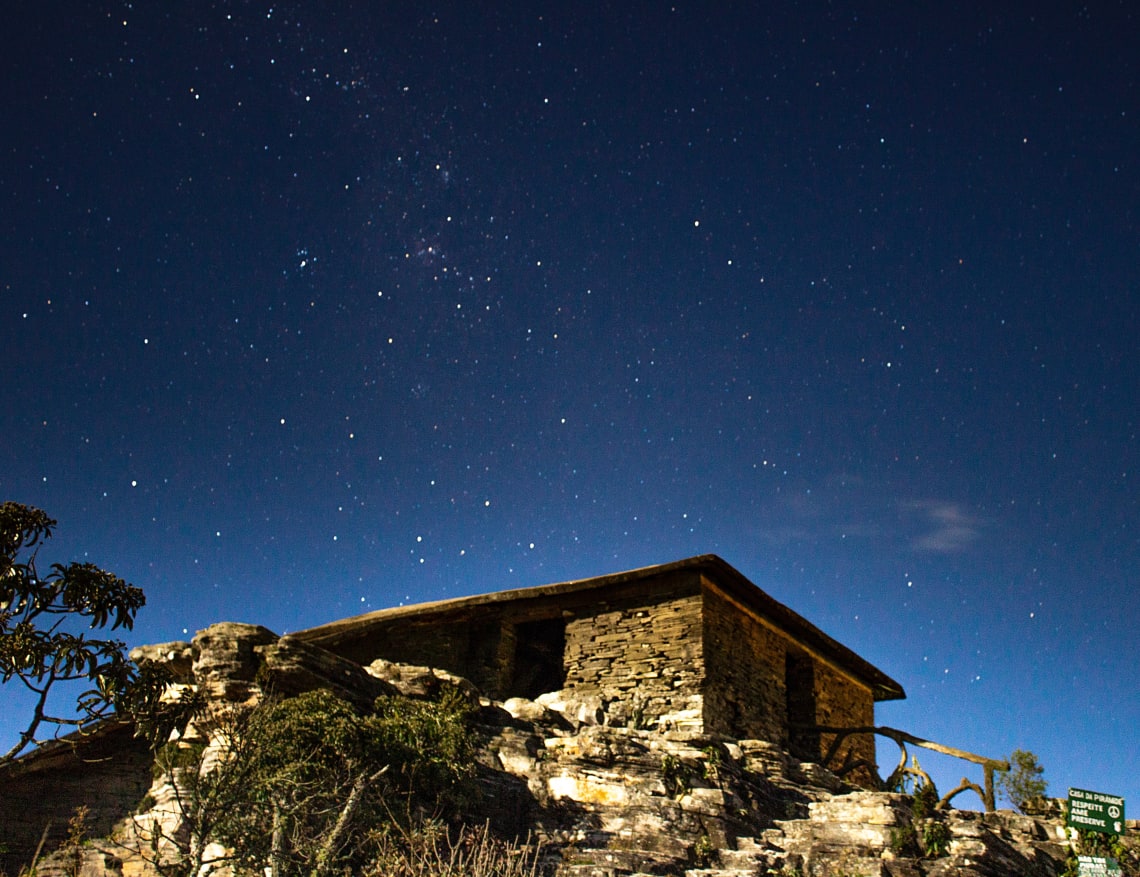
(528, 710)
(289, 667)
(91, 860)
(178, 658)
(608, 789)
(421, 682)
(575, 708)
(225, 663)
(637, 662)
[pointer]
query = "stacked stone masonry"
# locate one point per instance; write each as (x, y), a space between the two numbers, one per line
(752, 667)
(691, 644)
(642, 661)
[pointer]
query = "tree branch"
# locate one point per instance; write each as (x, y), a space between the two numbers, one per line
(989, 765)
(336, 837)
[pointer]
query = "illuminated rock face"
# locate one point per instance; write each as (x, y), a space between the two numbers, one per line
(642, 723)
(606, 790)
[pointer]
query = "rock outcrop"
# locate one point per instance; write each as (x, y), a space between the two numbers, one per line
(603, 795)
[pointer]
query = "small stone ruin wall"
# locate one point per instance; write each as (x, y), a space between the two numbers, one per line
(111, 778)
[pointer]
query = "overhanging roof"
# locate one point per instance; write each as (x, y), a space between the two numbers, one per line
(723, 575)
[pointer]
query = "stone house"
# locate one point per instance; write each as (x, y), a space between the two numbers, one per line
(691, 644)
(664, 660)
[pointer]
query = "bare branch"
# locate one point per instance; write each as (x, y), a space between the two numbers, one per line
(902, 738)
(963, 786)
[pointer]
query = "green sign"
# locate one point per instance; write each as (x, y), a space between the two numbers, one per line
(1097, 866)
(1096, 811)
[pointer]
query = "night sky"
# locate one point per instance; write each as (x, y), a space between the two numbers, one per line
(309, 309)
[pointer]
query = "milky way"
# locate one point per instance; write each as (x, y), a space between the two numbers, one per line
(311, 312)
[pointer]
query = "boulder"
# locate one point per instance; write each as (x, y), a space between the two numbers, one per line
(291, 667)
(577, 709)
(425, 683)
(527, 710)
(225, 663)
(176, 657)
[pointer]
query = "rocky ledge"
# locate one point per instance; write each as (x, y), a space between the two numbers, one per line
(618, 800)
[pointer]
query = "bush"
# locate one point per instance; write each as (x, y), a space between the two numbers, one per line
(1094, 843)
(428, 746)
(319, 771)
(904, 840)
(1023, 781)
(925, 800)
(295, 784)
(935, 839)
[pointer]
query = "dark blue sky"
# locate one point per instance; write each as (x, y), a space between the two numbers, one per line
(310, 312)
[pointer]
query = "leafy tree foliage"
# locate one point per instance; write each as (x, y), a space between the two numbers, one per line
(1023, 781)
(39, 645)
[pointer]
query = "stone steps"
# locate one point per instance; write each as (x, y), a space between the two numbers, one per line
(741, 860)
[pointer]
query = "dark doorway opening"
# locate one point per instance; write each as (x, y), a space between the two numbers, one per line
(538, 665)
(799, 689)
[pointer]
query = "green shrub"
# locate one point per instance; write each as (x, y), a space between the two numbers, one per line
(703, 850)
(925, 800)
(1095, 843)
(711, 766)
(1023, 781)
(428, 746)
(935, 839)
(903, 840)
(176, 755)
(297, 783)
(317, 767)
(676, 775)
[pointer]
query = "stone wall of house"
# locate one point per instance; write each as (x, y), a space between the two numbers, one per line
(762, 685)
(844, 703)
(641, 659)
(745, 694)
(111, 779)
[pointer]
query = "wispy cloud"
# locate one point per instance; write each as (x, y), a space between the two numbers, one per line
(827, 517)
(946, 528)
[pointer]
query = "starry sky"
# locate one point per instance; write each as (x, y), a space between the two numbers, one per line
(310, 309)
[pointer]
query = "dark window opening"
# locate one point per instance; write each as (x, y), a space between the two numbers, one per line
(799, 689)
(538, 664)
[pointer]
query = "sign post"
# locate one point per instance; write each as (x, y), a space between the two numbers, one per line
(1096, 811)
(1097, 866)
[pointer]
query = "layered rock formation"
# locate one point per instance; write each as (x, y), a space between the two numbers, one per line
(605, 796)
